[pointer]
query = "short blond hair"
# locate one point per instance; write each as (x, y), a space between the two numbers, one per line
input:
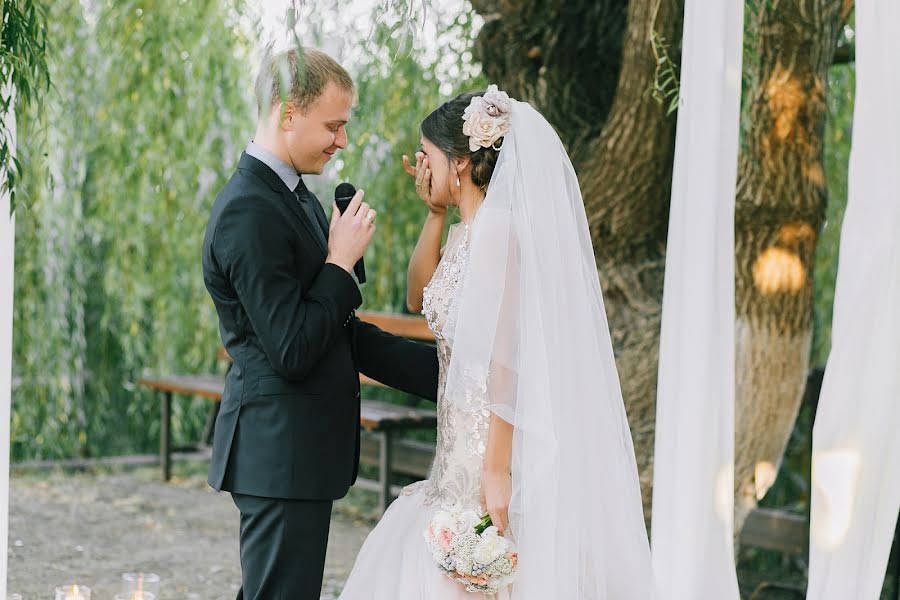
(308, 76)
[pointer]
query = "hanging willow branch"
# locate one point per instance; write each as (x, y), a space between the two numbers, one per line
(23, 75)
(666, 86)
(409, 16)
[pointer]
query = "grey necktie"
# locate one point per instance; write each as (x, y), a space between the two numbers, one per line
(306, 201)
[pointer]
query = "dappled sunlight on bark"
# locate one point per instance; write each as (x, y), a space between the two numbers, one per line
(786, 98)
(764, 477)
(778, 271)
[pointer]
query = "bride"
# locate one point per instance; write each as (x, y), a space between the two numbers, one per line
(531, 424)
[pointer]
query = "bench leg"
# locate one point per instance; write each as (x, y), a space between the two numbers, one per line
(384, 470)
(165, 432)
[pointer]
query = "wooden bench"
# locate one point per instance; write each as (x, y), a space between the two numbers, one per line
(381, 421)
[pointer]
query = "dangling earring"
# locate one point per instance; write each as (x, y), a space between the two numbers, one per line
(457, 182)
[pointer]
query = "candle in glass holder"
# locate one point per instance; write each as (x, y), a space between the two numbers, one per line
(136, 596)
(140, 582)
(73, 592)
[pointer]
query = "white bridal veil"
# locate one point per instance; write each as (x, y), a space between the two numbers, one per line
(531, 343)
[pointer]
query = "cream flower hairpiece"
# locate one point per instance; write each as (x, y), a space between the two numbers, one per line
(487, 118)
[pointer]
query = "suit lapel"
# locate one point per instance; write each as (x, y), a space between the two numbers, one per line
(260, 169)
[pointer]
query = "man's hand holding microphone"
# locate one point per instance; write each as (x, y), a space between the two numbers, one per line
(351, 231)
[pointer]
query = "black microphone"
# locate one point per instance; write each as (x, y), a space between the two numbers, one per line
(343, 194)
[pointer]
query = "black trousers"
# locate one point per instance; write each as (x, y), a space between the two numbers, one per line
(282, 547)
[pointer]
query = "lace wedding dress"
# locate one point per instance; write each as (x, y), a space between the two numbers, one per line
(395, 563)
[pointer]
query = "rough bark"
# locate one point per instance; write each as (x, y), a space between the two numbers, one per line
(779, 214)
(562, 57)
(622, 144)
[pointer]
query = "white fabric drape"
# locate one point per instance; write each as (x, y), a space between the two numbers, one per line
(856, 446)
(693, 497)
(7, 232)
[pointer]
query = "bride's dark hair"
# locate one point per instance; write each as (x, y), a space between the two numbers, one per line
(444, 128)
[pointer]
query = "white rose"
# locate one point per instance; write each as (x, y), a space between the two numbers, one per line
(491, 547)
(443, 520)
(469, 519)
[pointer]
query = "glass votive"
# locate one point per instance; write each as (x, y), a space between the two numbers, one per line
(140, 582)
(136, 596)
(73, 592)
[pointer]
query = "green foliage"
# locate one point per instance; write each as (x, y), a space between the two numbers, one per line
(395, 95)
(151, 108)
(149, 111)
(838, 130)
(23, 63)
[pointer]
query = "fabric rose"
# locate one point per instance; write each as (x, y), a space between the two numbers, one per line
(498, 99)
(487, 118)
(484, 130)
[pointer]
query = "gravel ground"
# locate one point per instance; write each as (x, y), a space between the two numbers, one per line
(91, 527)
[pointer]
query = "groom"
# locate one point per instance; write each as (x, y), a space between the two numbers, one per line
(287, 435)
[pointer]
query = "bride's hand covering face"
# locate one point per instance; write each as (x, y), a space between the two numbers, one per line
(434, 180)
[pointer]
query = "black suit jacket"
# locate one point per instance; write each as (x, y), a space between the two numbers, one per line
(288, 426)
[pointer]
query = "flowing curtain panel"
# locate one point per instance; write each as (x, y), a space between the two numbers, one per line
(693, 497)
(856, 439)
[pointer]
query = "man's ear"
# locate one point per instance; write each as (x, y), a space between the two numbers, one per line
(287, 116)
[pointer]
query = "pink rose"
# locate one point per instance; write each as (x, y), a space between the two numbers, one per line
(445, 540)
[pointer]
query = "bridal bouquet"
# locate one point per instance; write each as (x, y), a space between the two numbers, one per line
(471, 551)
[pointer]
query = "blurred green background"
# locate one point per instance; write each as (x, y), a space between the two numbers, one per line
(150, 107)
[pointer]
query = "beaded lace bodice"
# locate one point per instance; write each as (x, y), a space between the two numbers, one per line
(461, 435)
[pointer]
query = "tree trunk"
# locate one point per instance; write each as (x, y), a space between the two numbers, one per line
(779, 213)
(622, 145)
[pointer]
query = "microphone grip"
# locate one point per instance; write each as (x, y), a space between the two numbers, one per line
(359, 269)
